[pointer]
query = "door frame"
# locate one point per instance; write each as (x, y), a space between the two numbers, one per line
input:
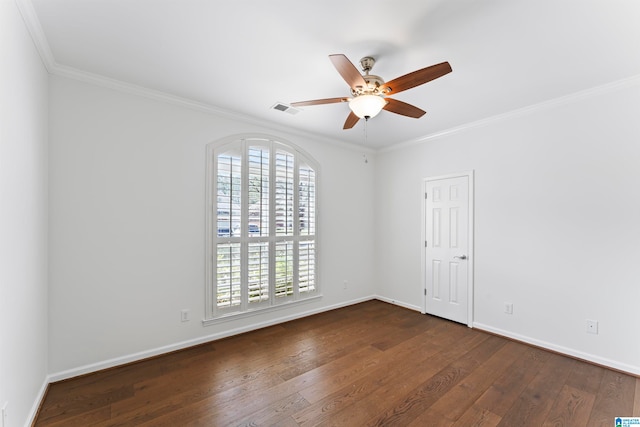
(471, 258)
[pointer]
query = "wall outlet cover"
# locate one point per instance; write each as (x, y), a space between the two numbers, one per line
(508, 308)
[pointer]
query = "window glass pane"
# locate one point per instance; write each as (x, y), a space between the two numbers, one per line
(258, 266)
(258, 221)
(306, 266)
(284, 269)
(307, 200)
(228, 277)
(284, 193)
(229, 185)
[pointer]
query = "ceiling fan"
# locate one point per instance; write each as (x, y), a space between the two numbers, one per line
(370, 94)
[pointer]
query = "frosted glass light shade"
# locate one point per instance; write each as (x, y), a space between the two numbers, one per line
(367, 105)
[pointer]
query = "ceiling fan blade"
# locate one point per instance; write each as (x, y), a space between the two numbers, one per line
(319, 102)
(351, 121)
(417, 78)
(348, 71)
(402, 108)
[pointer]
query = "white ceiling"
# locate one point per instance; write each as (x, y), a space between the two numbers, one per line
(243, 56)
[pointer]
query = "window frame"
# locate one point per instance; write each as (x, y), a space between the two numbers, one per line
(213, 313)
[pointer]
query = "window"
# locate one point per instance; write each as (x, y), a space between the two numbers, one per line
(261, 226)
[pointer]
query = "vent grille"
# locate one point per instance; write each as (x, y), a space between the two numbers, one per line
(280, 106)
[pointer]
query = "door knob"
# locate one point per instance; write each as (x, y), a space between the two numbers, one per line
(461, 257)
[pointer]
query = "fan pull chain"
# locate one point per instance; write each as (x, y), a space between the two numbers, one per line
(366, 136)
(366, 120)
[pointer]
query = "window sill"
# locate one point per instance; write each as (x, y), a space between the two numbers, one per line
(252, 313)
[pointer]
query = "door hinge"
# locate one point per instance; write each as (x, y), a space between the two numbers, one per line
(425, 244)
(425, 196)
(425, 292)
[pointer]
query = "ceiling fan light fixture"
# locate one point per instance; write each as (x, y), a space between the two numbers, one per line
(367, 106)
(368, 92)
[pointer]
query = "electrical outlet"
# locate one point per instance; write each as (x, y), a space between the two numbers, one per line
(345, 284)
(508, 307)
(184, 315)
(592, 327)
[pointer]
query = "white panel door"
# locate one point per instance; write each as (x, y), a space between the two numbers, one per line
(447, 247)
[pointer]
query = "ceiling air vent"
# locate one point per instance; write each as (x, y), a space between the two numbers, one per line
(285, 108)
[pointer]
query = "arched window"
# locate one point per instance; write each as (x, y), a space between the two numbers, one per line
(261, 225)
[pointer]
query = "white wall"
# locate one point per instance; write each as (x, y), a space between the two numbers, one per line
(127, 209)
(556, 217)
(23, 219)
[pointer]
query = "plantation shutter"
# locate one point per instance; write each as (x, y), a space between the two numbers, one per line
(228, 216)
(264, 247)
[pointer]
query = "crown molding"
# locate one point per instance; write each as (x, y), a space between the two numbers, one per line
(124, 87)
(129, 88)
(165, 97)
(32, 23)
(520, 112)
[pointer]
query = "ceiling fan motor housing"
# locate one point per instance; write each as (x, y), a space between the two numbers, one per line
(373, 82)
(373, 86)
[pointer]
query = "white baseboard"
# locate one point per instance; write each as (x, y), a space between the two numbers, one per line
(37, 402)
(398, 303)
(122, 360)
(630, 369)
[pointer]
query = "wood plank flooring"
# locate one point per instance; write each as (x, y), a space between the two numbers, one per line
(370, 364)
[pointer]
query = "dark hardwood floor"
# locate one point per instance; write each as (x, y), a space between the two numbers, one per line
(368, 364)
